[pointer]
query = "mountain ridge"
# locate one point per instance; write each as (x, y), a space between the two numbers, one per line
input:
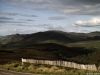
(60, 36)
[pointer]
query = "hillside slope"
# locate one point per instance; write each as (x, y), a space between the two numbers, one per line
(51, 36)
(53, 45)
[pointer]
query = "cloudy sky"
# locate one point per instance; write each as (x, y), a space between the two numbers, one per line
(30, 16)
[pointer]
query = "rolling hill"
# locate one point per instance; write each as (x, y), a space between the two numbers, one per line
(56, 36)
(52, 45)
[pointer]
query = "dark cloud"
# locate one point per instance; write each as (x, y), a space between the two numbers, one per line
(84, 7)
(89, 1)
(6, 21)
(5, 18)
(8, 13)
(26, 15)
(80, 7)
(16, 18)
(29, 20)
(57, 18)
(16, 14)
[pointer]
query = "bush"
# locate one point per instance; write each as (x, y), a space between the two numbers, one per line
(31, 68)
(19, 69)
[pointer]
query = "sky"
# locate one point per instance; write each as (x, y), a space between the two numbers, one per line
(31, 16)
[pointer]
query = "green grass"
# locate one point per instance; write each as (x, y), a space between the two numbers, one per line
(43, 69)
(91, 58)
(17, 54)
(86, 44)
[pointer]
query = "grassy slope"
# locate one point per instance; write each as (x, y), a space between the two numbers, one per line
(53, 51)
(13, 54)
(92, 57)
(14, 47)
(87, 44)
(43, 51)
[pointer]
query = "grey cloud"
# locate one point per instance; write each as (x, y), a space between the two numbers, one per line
(8, 14)
(5, 18)
(89, 1)
(6, 21)
(16, 14)
(57, 18)
(29, 20)
(83, 7)
(80, 2)
(26, 15)
(87, 25)
(12, 18)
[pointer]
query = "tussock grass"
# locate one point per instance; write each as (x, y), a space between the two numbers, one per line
(43, 69)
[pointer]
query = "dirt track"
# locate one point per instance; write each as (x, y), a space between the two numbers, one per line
(5, 72)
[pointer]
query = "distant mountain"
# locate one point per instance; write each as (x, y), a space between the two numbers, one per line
(50, 36)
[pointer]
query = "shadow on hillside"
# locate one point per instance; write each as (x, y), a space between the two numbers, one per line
(49, 51)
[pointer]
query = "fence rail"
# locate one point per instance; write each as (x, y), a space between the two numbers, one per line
(62, 63)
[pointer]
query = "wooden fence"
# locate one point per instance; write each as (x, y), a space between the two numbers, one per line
(62, 63)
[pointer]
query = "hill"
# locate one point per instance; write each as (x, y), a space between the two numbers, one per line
(54, 36)
(52, 45)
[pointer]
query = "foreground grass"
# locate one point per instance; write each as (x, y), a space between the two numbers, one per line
(92, 58)
(43, 69)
